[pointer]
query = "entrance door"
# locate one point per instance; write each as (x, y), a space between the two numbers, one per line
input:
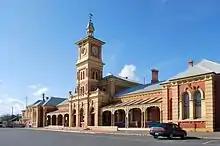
(92, 119)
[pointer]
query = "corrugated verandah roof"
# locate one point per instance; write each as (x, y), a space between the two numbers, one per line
(58, 111)
(135, 102)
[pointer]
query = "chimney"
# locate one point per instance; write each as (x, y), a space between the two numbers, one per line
(154, 75)
(43, 95)
(190, 63)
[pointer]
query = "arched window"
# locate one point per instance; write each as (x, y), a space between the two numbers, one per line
(185, 105)
(96, 75)
(80, 75)
(83, 75)
(197, 103)
(93, 75)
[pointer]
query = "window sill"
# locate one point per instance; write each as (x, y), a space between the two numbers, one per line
(192, 120)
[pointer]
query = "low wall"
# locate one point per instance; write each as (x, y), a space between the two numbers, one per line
(54, 127)
(103, 128)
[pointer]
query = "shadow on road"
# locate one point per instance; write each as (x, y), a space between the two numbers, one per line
(187, 138)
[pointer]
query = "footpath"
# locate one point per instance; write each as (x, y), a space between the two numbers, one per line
(190, 135)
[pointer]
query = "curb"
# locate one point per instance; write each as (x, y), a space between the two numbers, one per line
(106, 133)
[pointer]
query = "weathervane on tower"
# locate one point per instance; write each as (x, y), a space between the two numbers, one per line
(90, 27)
(90, 17)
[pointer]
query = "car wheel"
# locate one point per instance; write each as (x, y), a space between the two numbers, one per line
(155, 136)
(170, 136)
(183, 136)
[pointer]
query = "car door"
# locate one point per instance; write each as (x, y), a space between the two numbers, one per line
(177, 130)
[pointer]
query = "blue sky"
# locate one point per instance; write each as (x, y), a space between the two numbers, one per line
(38, 51)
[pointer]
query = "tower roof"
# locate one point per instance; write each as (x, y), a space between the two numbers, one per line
(90, 27)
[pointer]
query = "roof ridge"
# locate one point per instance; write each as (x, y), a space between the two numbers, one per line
(57, 97)
(204, 68)
(213, 62)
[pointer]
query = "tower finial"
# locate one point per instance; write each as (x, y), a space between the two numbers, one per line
(90, 17)
(90, 27)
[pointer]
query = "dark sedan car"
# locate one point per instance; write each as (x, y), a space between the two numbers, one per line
(169, 130)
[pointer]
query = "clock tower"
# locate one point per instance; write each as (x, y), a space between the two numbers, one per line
(89, 65)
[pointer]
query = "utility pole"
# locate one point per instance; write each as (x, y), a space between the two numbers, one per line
(26, 100)
(12, 111)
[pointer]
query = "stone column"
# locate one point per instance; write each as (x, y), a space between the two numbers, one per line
(142, 119)
(112, 118)
(96, 115)
(77, 115)
(63, 120)
(203, 108)
(209, 101)
(32, 115)
(191, 108)
(145, 113)
(70, 114)
(165, 104)
(175, 102)
(126, 119)
(181, 109)
(37, 117)
(86, 114)
(51, 120)
(57, 120)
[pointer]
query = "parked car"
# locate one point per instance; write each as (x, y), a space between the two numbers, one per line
(150, 124)
(1, 124)
(169, 130)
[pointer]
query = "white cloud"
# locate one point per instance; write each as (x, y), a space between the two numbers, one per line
(129, 72)
(40, 91)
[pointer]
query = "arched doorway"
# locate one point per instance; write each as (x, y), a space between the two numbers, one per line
(106, 117)
(81, 117)
(66, 120)
(153, 114)
(48, 120)
(74, 118)
(134, 117)
(54, 120)
(119, 118)
(60, 120)
(92, 117)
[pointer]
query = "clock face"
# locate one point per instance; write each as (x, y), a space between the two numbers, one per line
(83, 50)
(95, 51)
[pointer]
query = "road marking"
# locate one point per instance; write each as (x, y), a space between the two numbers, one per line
(210, 141)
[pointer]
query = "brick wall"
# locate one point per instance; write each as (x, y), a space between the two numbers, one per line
(169, 103)
(217, 102)
(192, 124)
(196, 84)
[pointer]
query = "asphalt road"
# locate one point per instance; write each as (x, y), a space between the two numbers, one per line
(27, 137)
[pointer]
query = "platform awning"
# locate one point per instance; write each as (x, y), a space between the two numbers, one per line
(135, 102)
(57, 112)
